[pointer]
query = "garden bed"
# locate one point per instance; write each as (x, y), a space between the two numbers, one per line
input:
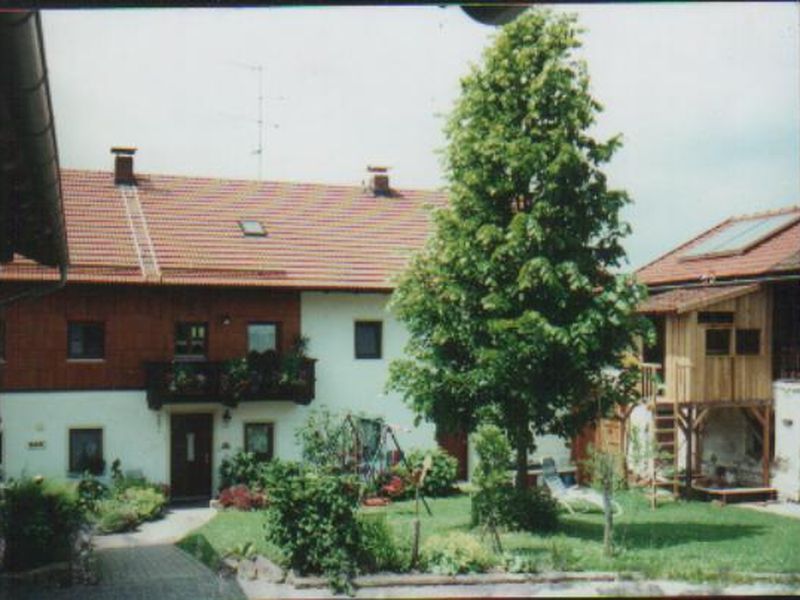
(681, 540)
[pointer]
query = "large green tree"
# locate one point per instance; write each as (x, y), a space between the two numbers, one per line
(514, 303)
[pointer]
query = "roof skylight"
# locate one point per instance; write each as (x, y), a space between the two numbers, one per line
(252, 228)
(738, 236)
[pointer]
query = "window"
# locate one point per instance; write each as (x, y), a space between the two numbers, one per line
(368, 339)
(259, 439)
(86, 340)
(86, 451)
(715, 317)
(718, 342)
(262, 337)
(191, 340)
(748, 341)
(252, 228)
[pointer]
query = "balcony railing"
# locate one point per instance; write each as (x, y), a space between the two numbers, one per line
(787, 363)
(650, 381)
(226, 383)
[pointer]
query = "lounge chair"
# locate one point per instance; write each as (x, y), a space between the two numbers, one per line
(568, 496)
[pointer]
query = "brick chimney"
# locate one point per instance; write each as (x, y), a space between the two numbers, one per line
(123, 165)
(378, 180)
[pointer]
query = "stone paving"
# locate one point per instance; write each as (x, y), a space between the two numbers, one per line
(138, 573)
(176, 524)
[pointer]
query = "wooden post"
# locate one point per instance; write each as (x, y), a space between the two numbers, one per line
(689, 435)
(766, 446)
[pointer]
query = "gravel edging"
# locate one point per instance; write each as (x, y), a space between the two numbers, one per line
(554, 577)
(419, 579)
(262, 568)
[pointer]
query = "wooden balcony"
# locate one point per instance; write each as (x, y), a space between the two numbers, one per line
(787, 363)
(203, 381)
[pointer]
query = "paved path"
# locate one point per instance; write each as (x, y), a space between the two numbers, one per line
(143, 565)
(144, 573)
(175, 525)
(785, 509)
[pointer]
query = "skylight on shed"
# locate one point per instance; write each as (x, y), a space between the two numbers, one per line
(738, 236)
(250, 227)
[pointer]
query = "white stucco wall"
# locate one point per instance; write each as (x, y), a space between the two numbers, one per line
(136, 435)
(133, 433)
(786, 468)
(345, 383)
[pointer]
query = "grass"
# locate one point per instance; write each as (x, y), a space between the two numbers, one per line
(680, 540)
(226, 532)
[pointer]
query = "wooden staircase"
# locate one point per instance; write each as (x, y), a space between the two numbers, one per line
(665, 432)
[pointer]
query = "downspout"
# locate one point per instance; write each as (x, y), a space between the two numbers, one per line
(33, 111)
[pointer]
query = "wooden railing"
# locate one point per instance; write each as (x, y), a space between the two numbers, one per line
(205, 381)
(650, 381)
(787, 363)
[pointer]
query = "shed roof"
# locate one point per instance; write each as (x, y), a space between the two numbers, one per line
(777, 251)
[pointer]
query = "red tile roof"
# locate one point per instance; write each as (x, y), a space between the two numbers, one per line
(318, 236)
(778, 253)
(684, 299)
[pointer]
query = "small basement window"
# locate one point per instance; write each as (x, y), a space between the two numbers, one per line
(86, 451)
(85, 340)
(368, 339)
(748, 341)
(254, 228)
(718, 342)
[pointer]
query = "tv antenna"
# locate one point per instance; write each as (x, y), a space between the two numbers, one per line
(258, 69)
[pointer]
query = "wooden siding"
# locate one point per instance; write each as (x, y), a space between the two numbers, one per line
(695, 377)
(139, 326)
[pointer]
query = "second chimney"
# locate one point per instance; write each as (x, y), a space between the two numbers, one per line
(123, 165)
(379, 180)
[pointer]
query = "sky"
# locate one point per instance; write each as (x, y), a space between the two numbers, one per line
(706, 97)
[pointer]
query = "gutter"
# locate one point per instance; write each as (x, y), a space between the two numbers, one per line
(724, 283)
(36, 191)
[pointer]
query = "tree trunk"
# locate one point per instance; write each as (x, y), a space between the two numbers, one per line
(522, 458)
(608, 513)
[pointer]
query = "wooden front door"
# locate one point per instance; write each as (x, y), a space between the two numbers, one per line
(190, 451)
(455, 444)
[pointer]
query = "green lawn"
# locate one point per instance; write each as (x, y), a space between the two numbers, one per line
(683, 540)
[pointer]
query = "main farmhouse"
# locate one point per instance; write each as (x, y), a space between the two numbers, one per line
(724, 403)
(171, 279)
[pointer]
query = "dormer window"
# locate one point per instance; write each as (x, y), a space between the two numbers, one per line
(252, 228)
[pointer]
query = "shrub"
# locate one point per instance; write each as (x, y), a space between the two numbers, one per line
(497, 503)
(531, 510)
(39, 522)
(455, 553)
(378, 550)
(489, 503)
(147, 503)
(441, 478)
(241, 497)
(129, 507)
(311, 517)
(325, 439)
(243, 468)
(90, 491)
(115, 516)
